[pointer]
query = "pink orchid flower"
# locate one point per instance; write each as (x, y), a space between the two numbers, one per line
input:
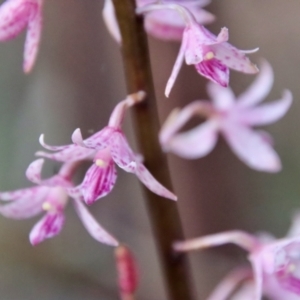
(15, 15)
(275, 263)
(233, 119)
(164, 24)
(105, 148)
(50, 196)
(211, 55)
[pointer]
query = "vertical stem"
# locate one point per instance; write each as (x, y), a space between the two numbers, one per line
(163, 213)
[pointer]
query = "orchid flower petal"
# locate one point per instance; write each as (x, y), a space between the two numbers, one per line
(214, 70)
(74, 153)
(92, 226)
(266, 136)
(15, 195)
(233, 58)
(177, 66)
(165, 29)
(49, 226)
(267, 113)
(27, 202)
(110, 20)
(97, 141)
(194, 143)
(251, 148)
(177, 119)
(33, 37)
(52, 148)
(151, 183)
(98, 182)
(237, 237)
(258, 277)
(245, 292)
(295, 226)
(117, 116)
(14, 15)
(77, 138)
(223, 36)
(223, 98)
(259, 89)
(168, 24)
(75, 192)
(228, 284)
(33, 172)
(121, 152)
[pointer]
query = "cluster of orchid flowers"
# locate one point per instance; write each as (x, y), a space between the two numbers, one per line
(275, 263)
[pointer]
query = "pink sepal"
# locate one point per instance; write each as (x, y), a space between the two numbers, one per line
(92, 226)
(26, 203)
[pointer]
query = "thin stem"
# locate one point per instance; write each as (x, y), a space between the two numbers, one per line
(163, 213)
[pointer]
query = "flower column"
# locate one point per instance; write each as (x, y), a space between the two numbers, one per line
(163, 214)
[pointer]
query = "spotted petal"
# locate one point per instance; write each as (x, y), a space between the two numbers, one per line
(14, 16)
(233, 58)
(98, 182)
(214, 70)
(49, 226)
(98, 141)
(121, 152)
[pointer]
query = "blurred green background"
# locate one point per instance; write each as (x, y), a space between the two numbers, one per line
(76, 82)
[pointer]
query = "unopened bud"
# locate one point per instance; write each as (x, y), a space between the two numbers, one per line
(127, 272)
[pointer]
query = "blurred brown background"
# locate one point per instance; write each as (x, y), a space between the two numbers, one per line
(77, 81)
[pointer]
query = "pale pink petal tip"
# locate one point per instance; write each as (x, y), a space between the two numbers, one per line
(46, 146)
(195, 143)
(152, 184)
(223, 36)
(33, 172)
(49, 147)
(250, 51)
(110, 21)
(77, 137)
(93, 227)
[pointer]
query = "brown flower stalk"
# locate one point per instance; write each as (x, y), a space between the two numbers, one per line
(163, 213)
